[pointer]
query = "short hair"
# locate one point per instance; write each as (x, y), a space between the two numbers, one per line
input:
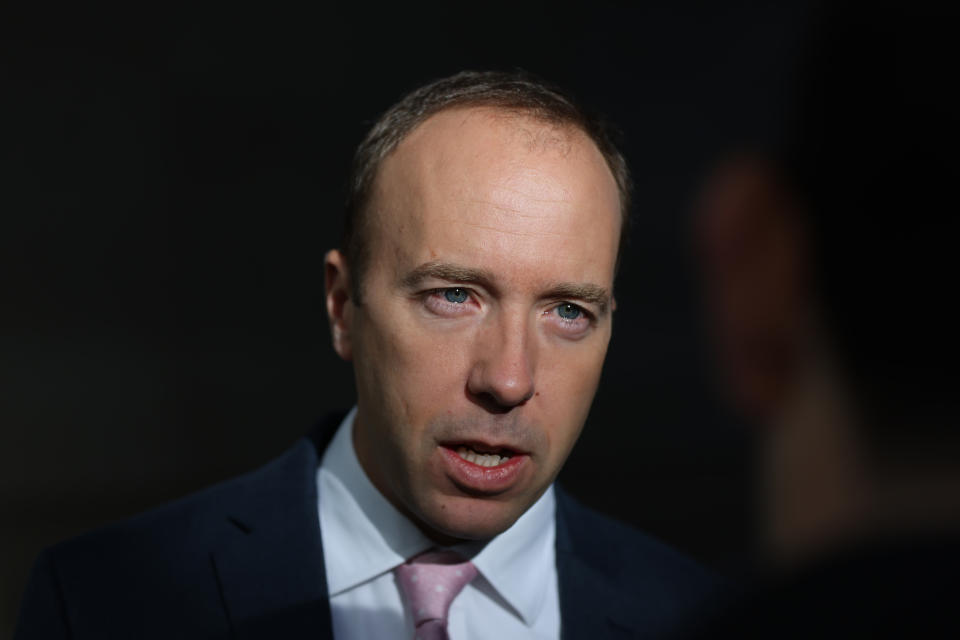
(516, 91)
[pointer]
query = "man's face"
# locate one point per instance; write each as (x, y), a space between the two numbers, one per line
(485, 315)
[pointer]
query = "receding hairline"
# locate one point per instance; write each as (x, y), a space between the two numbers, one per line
(567, 132)
(543, 135)
(501, 94)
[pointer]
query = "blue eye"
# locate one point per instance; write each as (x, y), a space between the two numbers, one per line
(455, 295)
(569, 311)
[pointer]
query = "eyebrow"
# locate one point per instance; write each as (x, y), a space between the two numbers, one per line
(445, 271)
(585, 292)
(590, 293)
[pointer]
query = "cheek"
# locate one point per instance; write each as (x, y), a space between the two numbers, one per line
(417, 371)
(569, 381)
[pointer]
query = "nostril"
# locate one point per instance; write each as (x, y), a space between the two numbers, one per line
(493, 403)
(489, 402)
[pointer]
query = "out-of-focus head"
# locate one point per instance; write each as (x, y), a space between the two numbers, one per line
(830, 277)
(849, 227)
(486, 234)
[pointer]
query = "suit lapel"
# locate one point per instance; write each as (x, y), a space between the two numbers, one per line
(590, 606)
(269, 563)
(270, 569)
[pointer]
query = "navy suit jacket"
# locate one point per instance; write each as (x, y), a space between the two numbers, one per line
(244, 559)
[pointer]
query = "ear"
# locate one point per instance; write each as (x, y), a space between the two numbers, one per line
(755, 261)
(340, 305)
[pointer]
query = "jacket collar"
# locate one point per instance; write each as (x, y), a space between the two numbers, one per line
(269, 565)
(590, 606)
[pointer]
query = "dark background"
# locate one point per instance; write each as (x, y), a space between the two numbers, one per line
(171, 178)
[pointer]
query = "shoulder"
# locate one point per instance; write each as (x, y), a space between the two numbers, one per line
(184, 525)
(157, 568)
(246, 545)
(635, 563)
(269, 495)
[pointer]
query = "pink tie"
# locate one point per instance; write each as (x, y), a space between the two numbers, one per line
(430, 582)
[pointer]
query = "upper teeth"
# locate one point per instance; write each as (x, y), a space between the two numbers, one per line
(482, 459)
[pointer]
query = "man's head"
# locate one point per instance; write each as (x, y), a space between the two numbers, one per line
(489, 239)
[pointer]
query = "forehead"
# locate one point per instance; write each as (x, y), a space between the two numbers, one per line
(479, 185)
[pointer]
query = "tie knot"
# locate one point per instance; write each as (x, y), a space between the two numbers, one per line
(430, 582)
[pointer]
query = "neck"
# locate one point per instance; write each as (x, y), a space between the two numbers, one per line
(814, 479)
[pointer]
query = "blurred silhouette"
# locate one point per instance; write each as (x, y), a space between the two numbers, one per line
(828, 264)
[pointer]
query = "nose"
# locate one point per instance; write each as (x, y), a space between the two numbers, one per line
(502, 376)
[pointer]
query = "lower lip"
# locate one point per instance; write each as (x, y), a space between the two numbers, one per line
(490, 480)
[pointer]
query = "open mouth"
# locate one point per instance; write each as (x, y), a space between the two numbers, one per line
(483, 459)
(482, 469)
(482, 454)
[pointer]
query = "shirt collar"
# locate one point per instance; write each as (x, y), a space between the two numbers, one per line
(365, 536)
(516, 562)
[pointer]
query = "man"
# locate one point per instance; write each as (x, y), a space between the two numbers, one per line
(830, 271)
(474, 297)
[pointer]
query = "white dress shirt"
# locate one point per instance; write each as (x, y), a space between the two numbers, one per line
(364, 538)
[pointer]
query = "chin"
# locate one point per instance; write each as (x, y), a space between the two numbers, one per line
(469, 518)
